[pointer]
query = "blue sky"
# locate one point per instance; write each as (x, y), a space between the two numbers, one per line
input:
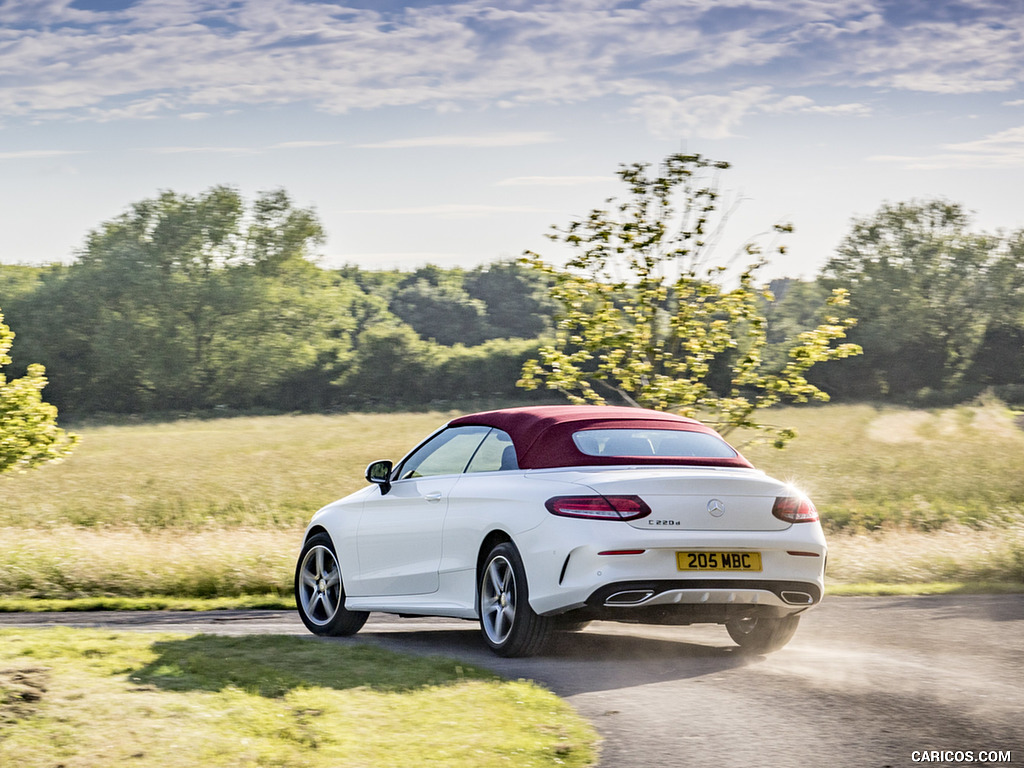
(458, 133)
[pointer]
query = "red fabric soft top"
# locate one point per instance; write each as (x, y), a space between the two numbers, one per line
(542, 435)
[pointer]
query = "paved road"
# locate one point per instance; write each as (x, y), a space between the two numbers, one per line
(866, 683)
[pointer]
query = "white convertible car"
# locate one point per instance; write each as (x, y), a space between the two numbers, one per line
(536, 519)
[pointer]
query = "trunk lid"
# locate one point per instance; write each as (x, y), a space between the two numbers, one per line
(698, 499)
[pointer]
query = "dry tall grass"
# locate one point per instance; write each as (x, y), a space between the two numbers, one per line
(258, 471)
(869, 468)
(71, 562)
(957, 553)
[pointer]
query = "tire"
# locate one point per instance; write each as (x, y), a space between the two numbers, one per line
(319, 592)
(509, 626)
(762, 635)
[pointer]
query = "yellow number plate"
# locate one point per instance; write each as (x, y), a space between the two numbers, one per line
(718, 561)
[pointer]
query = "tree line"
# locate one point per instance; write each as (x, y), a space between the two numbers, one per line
(192, 303)
(188, 303)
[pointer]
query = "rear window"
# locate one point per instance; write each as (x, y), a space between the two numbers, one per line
(670, 443)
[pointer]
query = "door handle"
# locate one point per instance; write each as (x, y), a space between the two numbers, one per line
(435, 496)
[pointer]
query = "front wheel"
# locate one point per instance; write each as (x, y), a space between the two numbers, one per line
(320, 593)
(510, 627)
(758, 634)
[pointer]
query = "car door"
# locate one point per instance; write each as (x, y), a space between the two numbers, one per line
(488, 492)
(399, 537)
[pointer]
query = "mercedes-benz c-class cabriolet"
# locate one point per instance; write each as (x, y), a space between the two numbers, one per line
(539, 519)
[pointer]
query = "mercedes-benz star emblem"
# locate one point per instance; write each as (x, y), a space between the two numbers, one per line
(716, 508)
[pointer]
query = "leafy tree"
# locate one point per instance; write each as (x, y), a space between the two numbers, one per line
(435, 303)
(192, 301)
(999, 359)
(19, 280)
(487, 370)
(293, 342)
(928, 292)
(281, 234)
(516, 297)
(643, 318)
(452, 306)
(29, 435)
(394, 366)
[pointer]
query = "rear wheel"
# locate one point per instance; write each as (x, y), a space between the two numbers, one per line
(320, 593)
(758, 634)
(510, 627)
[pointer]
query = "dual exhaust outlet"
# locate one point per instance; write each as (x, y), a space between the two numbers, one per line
(635, 597)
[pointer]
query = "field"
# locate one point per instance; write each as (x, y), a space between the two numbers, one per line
(205, 509)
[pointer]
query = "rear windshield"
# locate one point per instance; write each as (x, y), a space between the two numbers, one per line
(670, 443)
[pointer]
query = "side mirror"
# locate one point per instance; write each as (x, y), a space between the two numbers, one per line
(379, 473)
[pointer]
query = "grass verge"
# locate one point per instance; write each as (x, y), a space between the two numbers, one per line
(92, 699)
(132, 569)
(276, 602)
(875, 589)
(152, 603)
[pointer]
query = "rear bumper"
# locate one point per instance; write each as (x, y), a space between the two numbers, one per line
(635, 594)
(613, 572)
(697, 601)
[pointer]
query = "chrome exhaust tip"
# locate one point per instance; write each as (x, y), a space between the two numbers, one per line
(797, 598)
(629, 597)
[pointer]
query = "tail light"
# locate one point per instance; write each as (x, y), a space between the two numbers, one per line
(795, 509)
(599, 507)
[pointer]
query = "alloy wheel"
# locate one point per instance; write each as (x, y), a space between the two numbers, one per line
(319, 585)
(498, 599)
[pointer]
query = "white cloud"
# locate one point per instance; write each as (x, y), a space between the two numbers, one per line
(448, 210)
(1004, 149)
(306, 144)
(719, 116)
(36, 154)
(185, 150)
(190, 57)
(789, 104)
(552, 181)
(840, 110)
(939, 82)
(946, 56)
(521, 139)
(181, 150)
(707, 116)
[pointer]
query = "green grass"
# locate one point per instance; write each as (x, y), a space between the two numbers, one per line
(92, 699)
(152, 603)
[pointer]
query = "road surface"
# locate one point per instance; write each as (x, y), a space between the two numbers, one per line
(866, 682)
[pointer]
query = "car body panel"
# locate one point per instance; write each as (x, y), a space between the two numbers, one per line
(399, 538)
